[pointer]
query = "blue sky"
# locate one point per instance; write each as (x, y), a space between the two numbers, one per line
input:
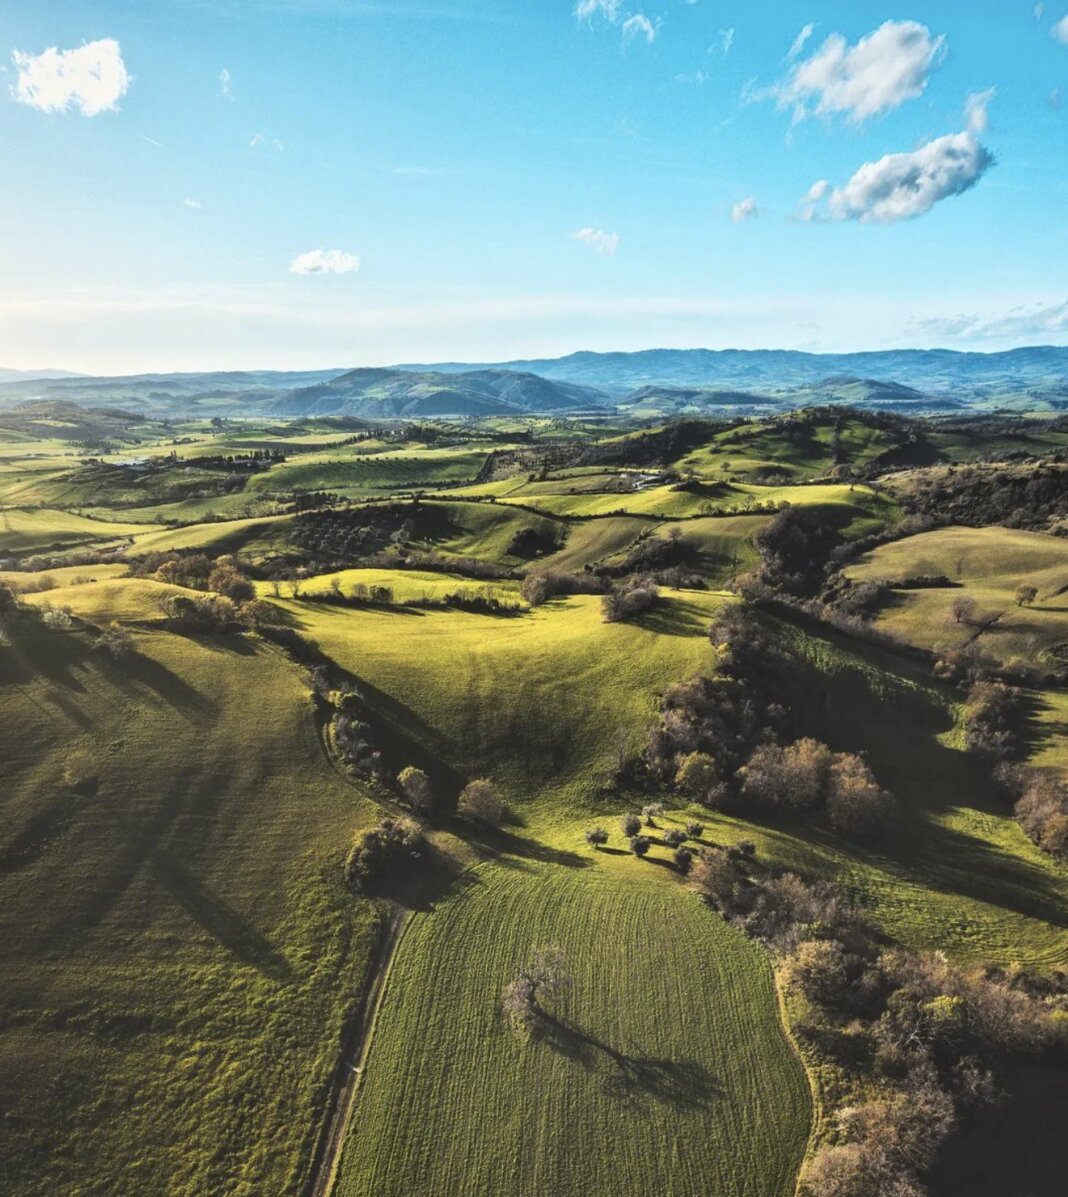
(302, 183)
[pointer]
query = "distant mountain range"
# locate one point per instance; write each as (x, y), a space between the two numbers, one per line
(29, 375)
(654, 381)
(405, 394)
(933, 372)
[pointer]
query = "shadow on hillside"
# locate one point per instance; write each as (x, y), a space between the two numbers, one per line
(508, 848)
(219, 919)
(164, 683)
(633, 1076)
(674, 618)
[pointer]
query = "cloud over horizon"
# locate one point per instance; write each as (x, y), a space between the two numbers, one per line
(92, 78)
(605, 243)
(325, 261)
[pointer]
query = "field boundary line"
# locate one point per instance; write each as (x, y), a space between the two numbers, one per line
(816, 1125)
(353, 1060)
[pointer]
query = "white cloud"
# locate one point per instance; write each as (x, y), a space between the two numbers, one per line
(639, 26)
(1060, 31)
(800, 41)
(698, 77)
(1039, 11)
(903, 186)
(1027, 322)
(92, 78)
(260, 142)
(225, 84)
(726, 40)
(975, 110)
(195, 204)
(605, 243)
(324, 261)
(744, 210)
(586, 10)
(882, 71)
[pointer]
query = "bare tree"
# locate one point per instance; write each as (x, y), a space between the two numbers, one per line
(545, 977)
(481, 802)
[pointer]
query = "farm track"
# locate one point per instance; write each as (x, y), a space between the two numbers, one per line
(355, 1048)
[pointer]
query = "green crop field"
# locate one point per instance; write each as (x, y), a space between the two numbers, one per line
(667, 1070)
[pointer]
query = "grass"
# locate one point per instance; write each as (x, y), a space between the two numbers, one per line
(657, 1075)
(32, 530)
(178, 953)
(985, 565)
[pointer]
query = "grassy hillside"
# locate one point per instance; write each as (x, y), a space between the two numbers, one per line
(985, 565)
(178, 954)
(32, 530)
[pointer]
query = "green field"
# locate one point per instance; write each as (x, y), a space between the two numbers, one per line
(985, 565)
(666, 1072)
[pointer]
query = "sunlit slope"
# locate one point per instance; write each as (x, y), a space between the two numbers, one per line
(178, 953)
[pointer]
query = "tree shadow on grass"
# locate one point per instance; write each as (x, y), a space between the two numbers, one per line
(633, 1076)
(220, 919)
(674, 617)
(144, 671)
(502, 844)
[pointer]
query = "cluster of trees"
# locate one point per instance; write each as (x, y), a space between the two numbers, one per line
(795, 548)
(807, 775)
(1041, 805)
(631, 828)
(215, 613)
(479, 802)
(1033, 496)
(382, 851)
(993, 715)
(543, 584)
(921, 1036)
(633, 598)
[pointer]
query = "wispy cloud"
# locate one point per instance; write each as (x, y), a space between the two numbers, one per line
(726, 40)
(800, 42)
(325, 261)
(605, 243)
(879, 73)
(639, 26)
(225, 84)
(91, 79)
(975, 110)
(744, 210)
(1033, 322)
(261, 142)
(195, 204)
(586, 10)
(1060, 30)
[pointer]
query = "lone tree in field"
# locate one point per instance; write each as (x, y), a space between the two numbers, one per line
(481, 803)
(1026, 594)
(545, 977)
(596, 837)
(963, 610)
(417, 789)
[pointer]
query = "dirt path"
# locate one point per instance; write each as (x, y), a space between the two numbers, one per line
(354, 1052)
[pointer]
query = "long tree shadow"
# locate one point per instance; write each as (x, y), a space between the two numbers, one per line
(144, 671)
(633, 1076)
(220, 919)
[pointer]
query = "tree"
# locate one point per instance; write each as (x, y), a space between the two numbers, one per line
(695, 830)
(963, 610)
(640, 845)
(381, 850)
(1026, 595)
(792, 778)
(674, 837)
(651, 813)
(596, 837)
(630, 825)
(117, 642)
(544, 977)
(856, 804)
(683, 858)
(417, 789)
(535, 589)
(481, 802)
(697, 774)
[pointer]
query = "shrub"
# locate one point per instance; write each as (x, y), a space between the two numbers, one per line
(596, 837)
(116, 641)
(1026, 595)
(631, 599)
(674, 837)
(630, 825)
(416, 787)
(695, 830)
(683, 858)
(697, 775)
(481, 802)
(640, 845)
(380, 851)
